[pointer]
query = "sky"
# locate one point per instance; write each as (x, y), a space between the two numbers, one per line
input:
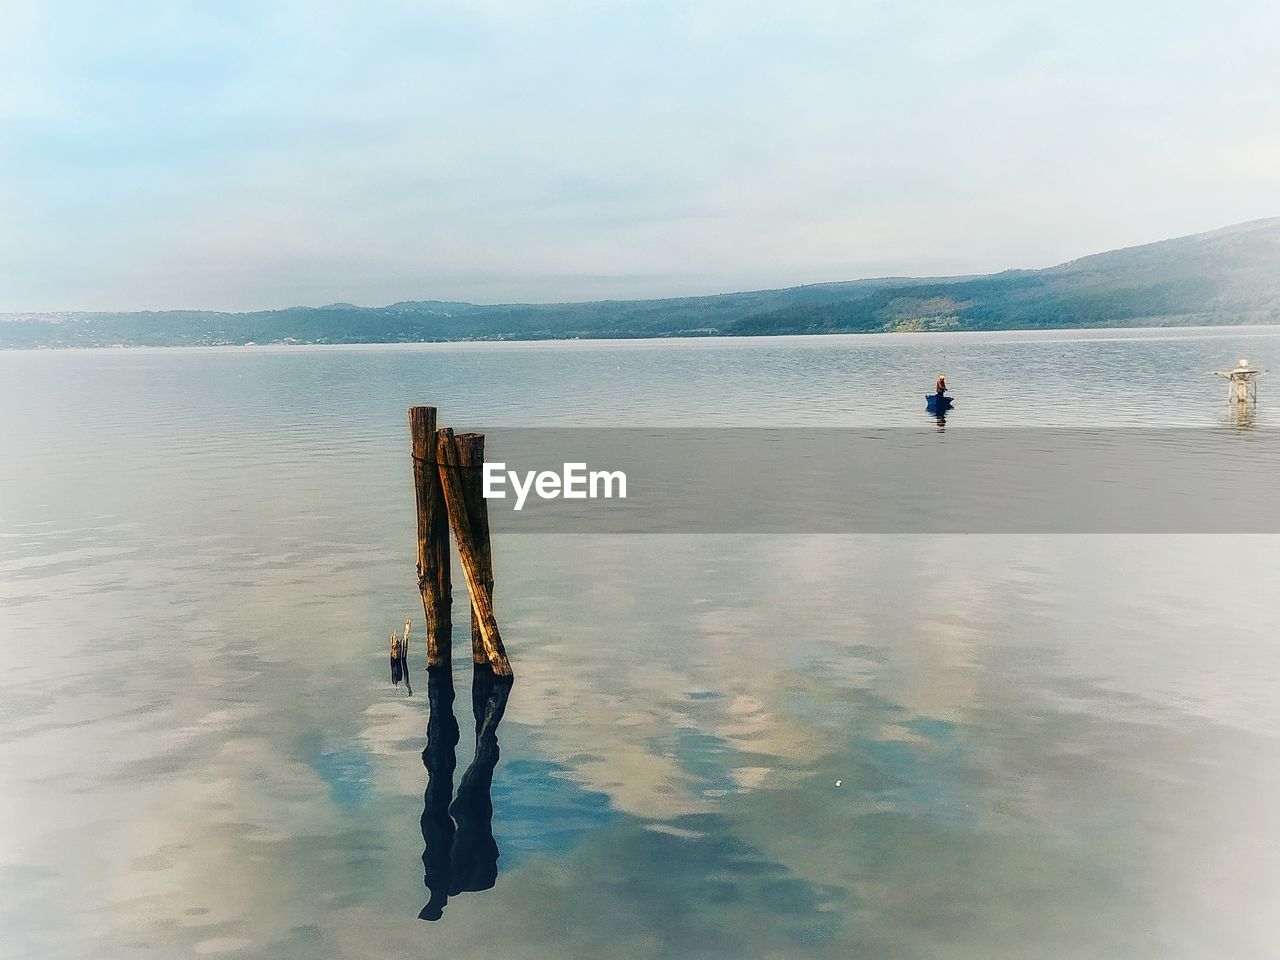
(244, 155)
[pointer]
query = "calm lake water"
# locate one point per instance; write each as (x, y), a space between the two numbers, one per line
(1046, 746)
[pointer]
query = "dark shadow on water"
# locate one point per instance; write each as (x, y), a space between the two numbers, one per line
(459, 853)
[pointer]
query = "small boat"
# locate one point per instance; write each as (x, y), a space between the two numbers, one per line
(937, 402)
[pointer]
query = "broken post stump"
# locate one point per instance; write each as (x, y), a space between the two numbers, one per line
(434, 574)
(470, 450)
(464, 533)
(404, 656)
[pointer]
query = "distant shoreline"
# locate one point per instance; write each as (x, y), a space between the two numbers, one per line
(1251, 328)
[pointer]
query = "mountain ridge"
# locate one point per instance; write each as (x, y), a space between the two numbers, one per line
(1230, 275)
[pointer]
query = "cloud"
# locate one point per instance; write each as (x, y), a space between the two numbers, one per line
(238, 156)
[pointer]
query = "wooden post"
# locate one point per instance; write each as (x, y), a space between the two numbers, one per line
(460, 521)
(470, 449)
(434, 575)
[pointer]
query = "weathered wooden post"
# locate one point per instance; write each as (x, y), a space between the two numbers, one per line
(404, 656)
(470, 448)
(464, 532)
(434, 574)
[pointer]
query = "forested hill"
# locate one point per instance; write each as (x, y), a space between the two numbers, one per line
(1227, 276)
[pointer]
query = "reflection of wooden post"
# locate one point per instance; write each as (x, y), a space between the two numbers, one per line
(464, 533)
(440, 758)
(470, 448)
(475, 852)
(433, 537)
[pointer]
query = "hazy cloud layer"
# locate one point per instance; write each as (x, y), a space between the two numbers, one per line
(235, 156)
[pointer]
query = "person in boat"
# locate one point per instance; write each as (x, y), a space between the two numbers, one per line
(941, 386)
